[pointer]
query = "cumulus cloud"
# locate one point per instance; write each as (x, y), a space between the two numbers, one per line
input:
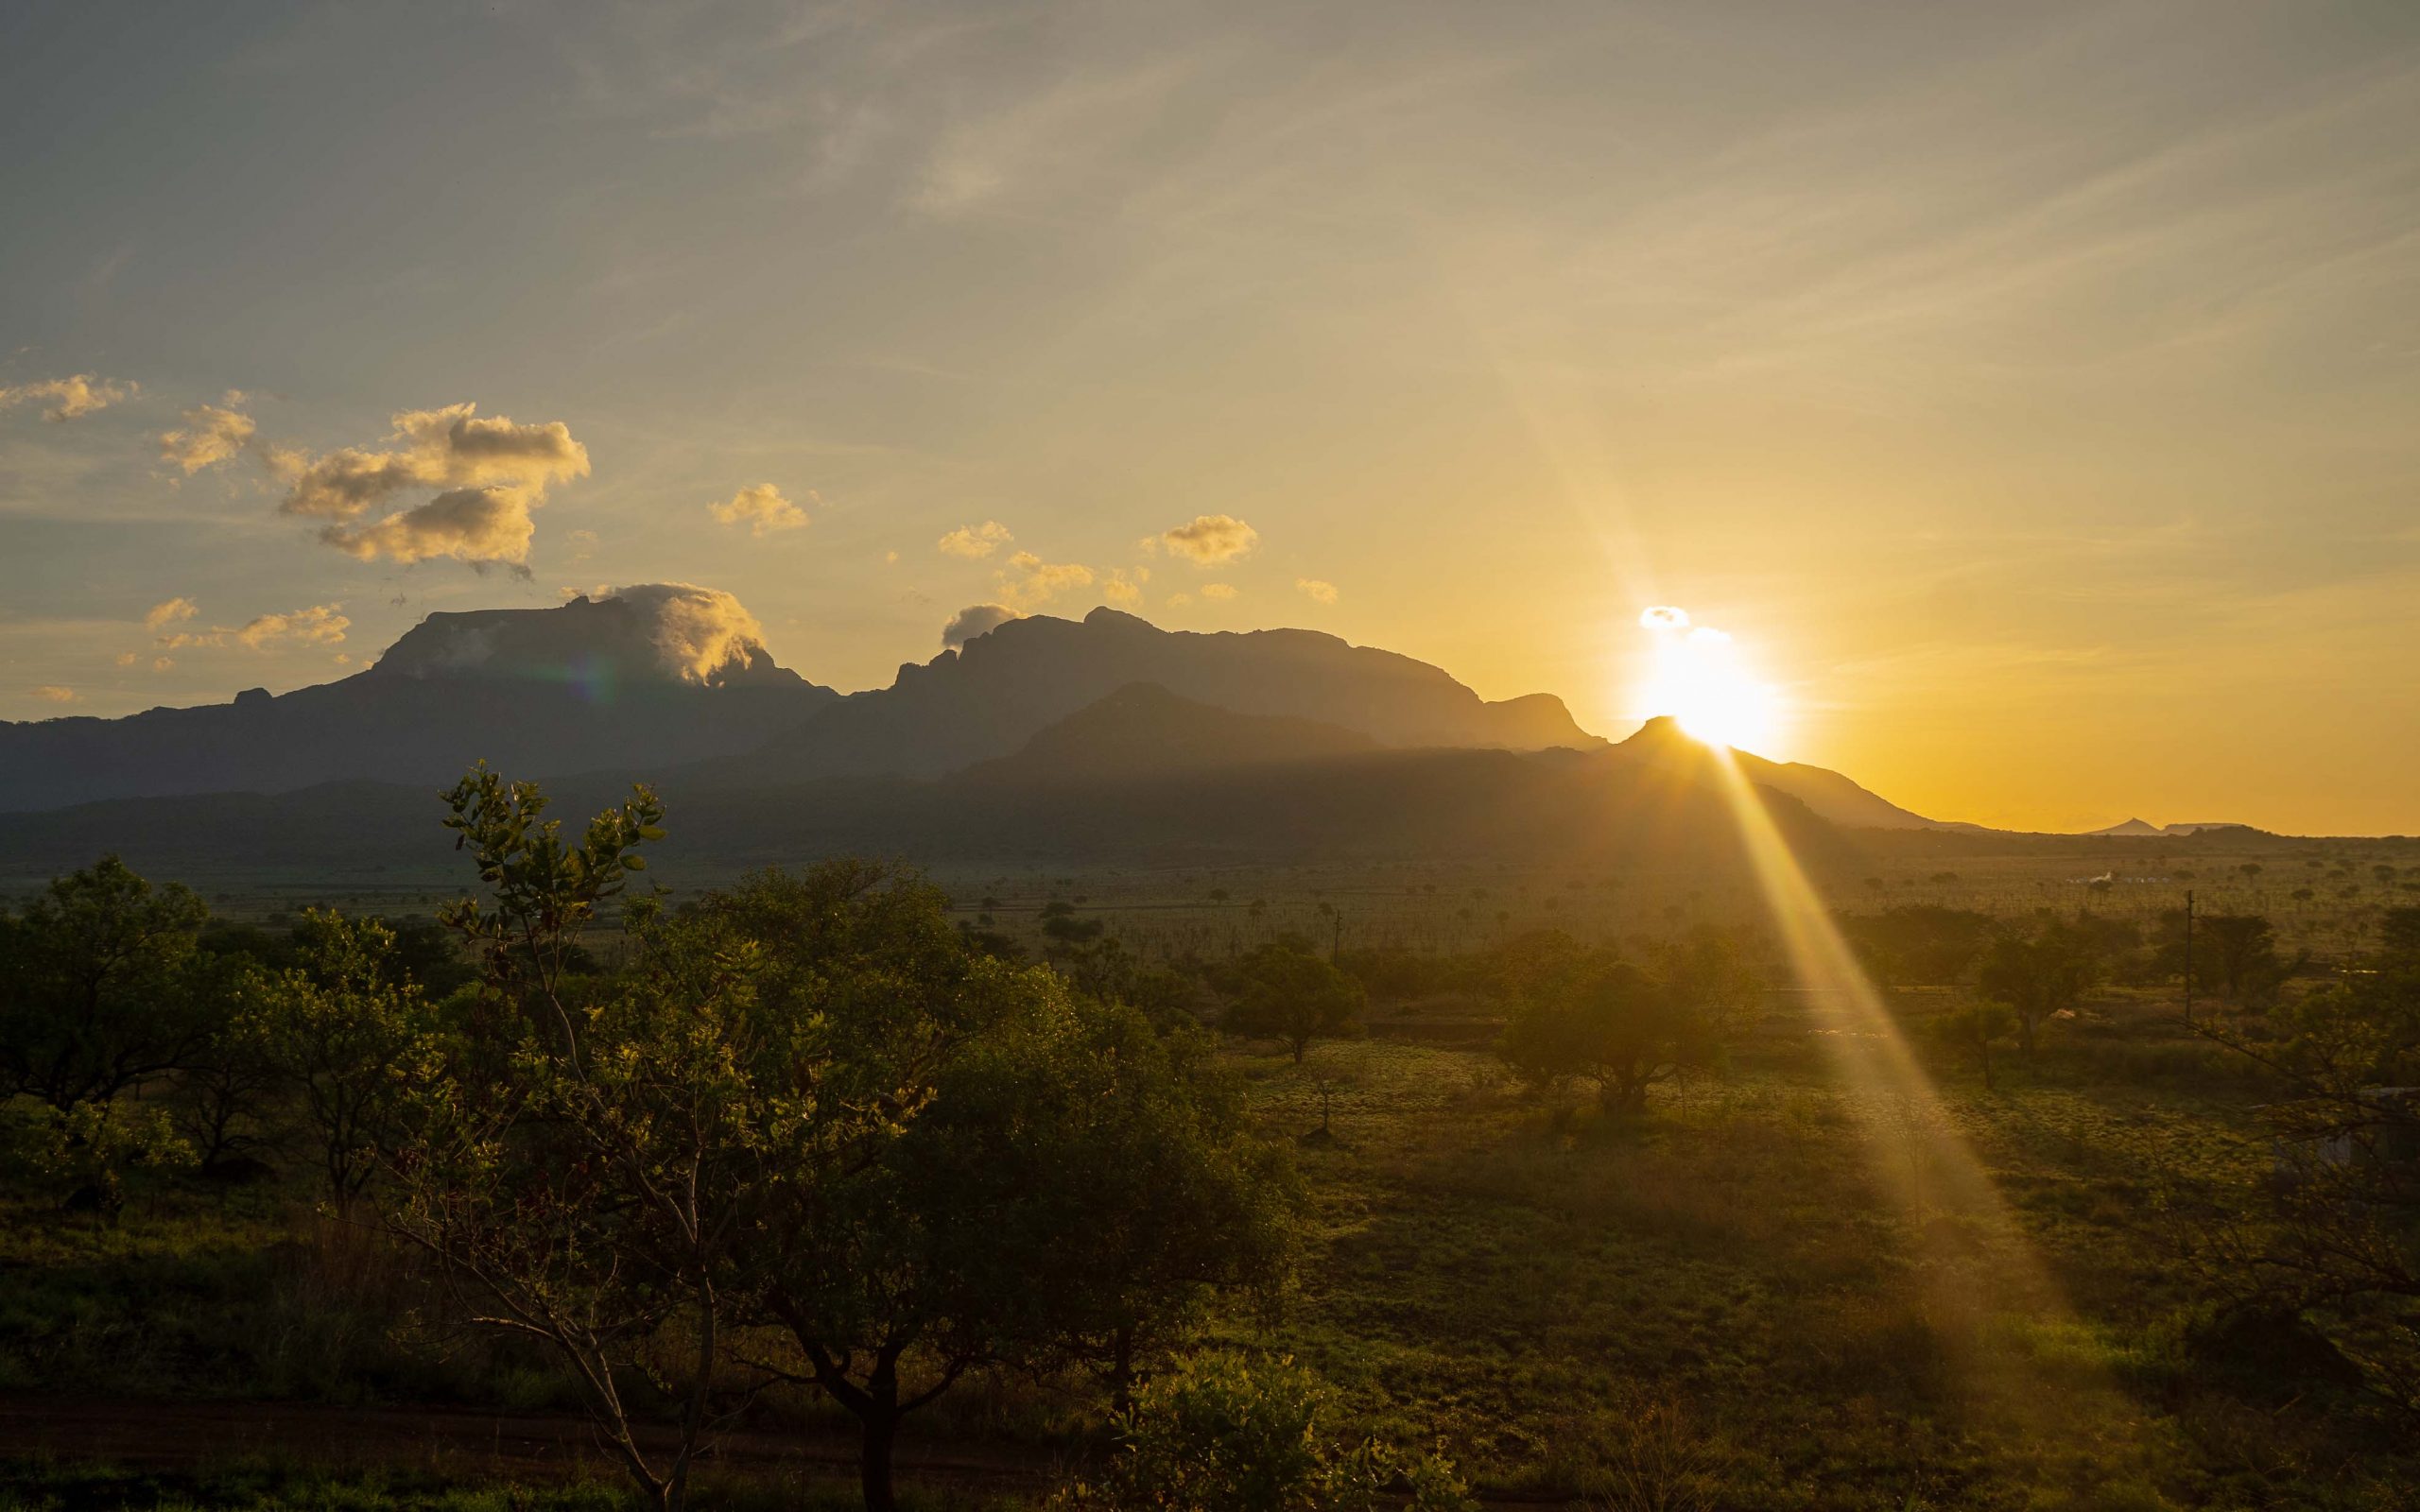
(1662, 617)
(491, 472)
(1221, 591)
(51, 693)
(176, 610)
(974, 619)
(1029, 580)
(761, 507)
(1124, 588)
(697, 631)
(1211, 538)
(1318, 589)
(161, 664)
(212, 434)
(1179, 600)
(128, 659)
(67, 397)
(975, 540)
(320, 625)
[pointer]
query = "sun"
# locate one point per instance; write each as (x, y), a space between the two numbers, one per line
(1701, 679)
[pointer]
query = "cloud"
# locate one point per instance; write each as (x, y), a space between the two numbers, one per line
(69, 397)
(1211, 538)
(697, 631)
(1221, 591)
(974, 619)
(1318, 589)
(975, 540)
(54, 694)
(320, 625)
(1029, 580)
(1662, 617)
(212, 434)
(128, 659)
(492, 472)
(762, 509)
(1179, 600)
(1124, 588)
(160, 616)
(161, 664)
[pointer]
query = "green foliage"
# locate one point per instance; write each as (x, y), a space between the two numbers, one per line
(348, 1037)
(1972, 1030)
(102, 988)
(1293, 996)
(1588, 1015)
(2039, 975)
(1223, 1433)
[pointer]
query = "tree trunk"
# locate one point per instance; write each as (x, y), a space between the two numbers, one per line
(881, 1421)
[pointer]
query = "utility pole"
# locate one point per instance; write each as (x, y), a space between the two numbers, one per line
(2188, 957)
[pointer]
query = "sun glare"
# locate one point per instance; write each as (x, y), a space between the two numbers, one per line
(1701, 679)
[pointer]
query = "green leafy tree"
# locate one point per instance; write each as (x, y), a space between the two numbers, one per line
(1290, 995)
(102, 988)
(1593, 1017)
(592, 1159)
(1226, 1434)
(2037, 977)
(2242, 949)
(345, 1034)
(1974, 1029)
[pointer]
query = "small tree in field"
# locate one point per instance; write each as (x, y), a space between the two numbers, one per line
(1226, 1433)
(101, 986)
(593, 1159)
(2038, 976)
(1293, 996)
(1596, 1017)
(343, 1033)
(1974, 1029)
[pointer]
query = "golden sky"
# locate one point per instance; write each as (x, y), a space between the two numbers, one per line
(2030, 390)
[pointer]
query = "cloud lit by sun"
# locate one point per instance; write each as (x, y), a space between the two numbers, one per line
(1702, 678)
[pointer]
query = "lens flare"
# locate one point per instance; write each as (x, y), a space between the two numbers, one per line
(1702, 680)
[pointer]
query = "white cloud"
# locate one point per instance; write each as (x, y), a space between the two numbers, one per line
(68, 398)
(160, 616)
(212, 434)
(697, 631)
(320, 625)
(491, 469)
(1208, 540)
(762, 509)
(974, 619)
(975, 540)
(1028, 581)
(1318, 589)
(51, 693)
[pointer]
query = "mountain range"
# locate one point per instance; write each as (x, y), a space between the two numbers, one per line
(1043, 738)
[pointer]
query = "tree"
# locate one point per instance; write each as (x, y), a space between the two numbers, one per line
(2037, 977)
(1974, 1029)
(1291, 995)
(1597, 1018)
(1064, 1139)
(594, 1160)
(2243, 950)
(1227, 1434)
(101, 988)
(342, 1033)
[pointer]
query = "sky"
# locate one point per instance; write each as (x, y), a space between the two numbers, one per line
(2031, 392)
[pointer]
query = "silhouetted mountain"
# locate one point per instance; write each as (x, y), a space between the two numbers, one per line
(1373, 805)
(2131, 827)
(1143, 731)
(1662, 743)
(652, 678)
(1003, 688)
(2143, 829)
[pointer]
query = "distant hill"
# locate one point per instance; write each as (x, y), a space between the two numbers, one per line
(1143, 731)
(1003, 688)
(654, 677)
(1661, 742)
(2145, 829)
